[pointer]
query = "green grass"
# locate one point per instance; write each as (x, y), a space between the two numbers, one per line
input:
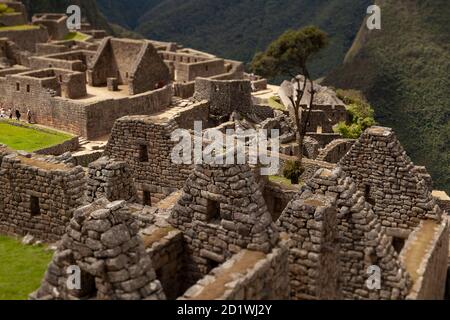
(79, 36)
(29, 139)
(20, 27)
(282, 180)
(21, 268)
(275, 104)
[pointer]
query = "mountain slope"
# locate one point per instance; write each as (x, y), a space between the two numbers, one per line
(237, 29)
(404, 71)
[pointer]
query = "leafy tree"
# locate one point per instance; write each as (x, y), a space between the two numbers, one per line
(289, 54)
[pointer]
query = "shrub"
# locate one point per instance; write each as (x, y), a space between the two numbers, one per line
(293, 170)
(362, 115)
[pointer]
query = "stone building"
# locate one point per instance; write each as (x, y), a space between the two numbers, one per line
(134, 63)
(103, 242)
(56, 24)
(37, 195)
(381, 169)
(145, 144)
(140, 226)
(18, 16)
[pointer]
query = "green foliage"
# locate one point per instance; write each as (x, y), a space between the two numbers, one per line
(3, 8)
(275, 103)
(21, 269)
(361, 114)
(293, 170)
(19, 27)
(290, 52)
(403, 70)
(79, 36)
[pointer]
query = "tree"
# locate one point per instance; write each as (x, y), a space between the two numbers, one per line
(289, 55)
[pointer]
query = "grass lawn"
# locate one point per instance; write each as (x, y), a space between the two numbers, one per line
(283, 181)
(21, 268)
(76, 36)
(275, 104)
(29, 139)
(19, 27)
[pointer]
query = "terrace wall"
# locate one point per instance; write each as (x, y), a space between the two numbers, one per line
(28, 38)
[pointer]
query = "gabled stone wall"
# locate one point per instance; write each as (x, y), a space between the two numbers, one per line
(222, 211)
(360, 239)
(102, 241)
(382, 170)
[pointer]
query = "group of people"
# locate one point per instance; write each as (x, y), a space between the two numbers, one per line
(18, 115)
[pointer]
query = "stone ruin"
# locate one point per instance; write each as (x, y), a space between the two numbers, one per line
(205, 232)
(102, 240)
(38, 194)
(381, 169)
(111, 180)
(336, 237)
(217, 239)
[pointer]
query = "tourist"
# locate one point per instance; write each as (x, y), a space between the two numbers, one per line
(29, 115)
(18, 115)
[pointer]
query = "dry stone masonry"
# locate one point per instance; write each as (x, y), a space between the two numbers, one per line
(111, 180)
(37, 194)
(102, 241)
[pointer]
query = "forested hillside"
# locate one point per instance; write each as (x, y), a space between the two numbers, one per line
(236, 29)
(404, 71)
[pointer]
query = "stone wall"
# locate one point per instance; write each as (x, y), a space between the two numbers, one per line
(109, 179)
(313, 252)
(277, 197)
(185, 72)
(102, 240)
(165, 247)
(150, 72)
(73, 60)
(360, 242)
(13, 55)
(57, 150)
(56, 24)
(112, 109)
(431, 273)
(26, 39)
(324, 138)
(133, 62)
(382, 170)
(255, 276)
(12, 19)
(144, 143)
(44, 89)
(335, 150)
(224, 96)
(222, 211)
(38, 195)
(146, 146)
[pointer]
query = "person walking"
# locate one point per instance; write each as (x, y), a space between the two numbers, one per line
(29, 115)
(18, 115)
